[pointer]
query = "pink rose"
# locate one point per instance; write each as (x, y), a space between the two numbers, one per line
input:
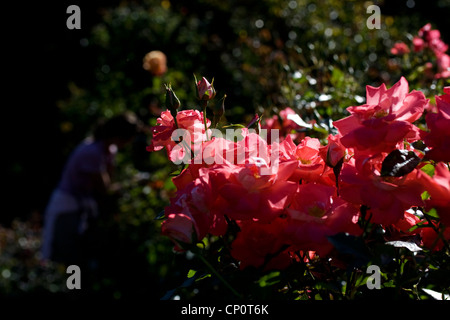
(310, 165)
(438, 139)
(438, 46)
(180, 228)
(197, 199)
(423, 32)
(261, 243)
(438, 187)
(316, 213)
(400, 48)
(418, 44)
(247, 195)
(387, 197)
(334, 151)
(431, 239)
(443, 63)
(191, 121)
(384, 121)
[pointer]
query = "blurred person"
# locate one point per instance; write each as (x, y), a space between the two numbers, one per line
(85, 182)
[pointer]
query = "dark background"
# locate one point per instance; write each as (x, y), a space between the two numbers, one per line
(39, 57)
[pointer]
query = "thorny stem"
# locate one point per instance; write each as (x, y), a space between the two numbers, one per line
(350, 287)
(205, 104)
(439, 233)
(210, 267)
(175, 120)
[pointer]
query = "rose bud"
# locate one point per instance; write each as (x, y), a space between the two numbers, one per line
(205, 90)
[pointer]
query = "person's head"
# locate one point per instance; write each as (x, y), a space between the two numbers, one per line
(118, 130)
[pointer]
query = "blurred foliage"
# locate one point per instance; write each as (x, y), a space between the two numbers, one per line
(21, 270)
(404, 273)
(313, 56)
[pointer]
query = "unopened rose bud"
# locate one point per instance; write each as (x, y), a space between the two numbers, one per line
(205, 90)
(400, 48)
(254, 120)
(418, 44)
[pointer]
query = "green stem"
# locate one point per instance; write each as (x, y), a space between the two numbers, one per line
(350, 288)
(210, 267)
(205, 104)
(188, 149)
(440, 233)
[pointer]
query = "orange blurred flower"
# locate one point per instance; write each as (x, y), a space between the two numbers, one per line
(155, 62)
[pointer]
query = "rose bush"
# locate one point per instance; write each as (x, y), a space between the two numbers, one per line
(273, 203)
(429, 45)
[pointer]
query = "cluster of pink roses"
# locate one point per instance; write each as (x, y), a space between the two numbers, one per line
(428, 38)
(314, 191)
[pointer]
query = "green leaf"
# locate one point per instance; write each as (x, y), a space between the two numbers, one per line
(186, 284)
(419, 145)
(337, 77)
(436, 295)
(269, 279)
(233, 126)
(191, 273)
(428, 169)
(389, 284)
(432, 213)
(411, 246)
(398, 163)
(298, 120)
(160, 215)
(204, 276)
